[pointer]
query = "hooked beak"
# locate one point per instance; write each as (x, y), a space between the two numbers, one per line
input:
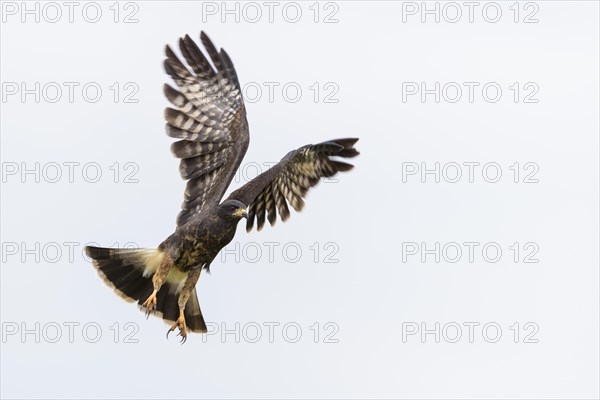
(241, 213)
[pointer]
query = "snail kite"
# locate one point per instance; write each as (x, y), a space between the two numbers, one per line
(209, 122)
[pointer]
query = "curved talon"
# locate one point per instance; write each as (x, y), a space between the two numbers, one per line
(169, 331)
(183, 337)
(180, 323)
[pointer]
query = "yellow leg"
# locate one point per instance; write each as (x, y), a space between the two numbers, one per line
(157, 280)
(184, 295)
(150, 303)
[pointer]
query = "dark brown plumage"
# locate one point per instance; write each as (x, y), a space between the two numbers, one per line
(209, 119)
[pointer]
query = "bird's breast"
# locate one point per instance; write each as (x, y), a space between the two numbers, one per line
(198, 242)
(193, 251)
(198, 249)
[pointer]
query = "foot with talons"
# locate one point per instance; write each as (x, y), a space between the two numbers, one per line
(180, 323)
(150, 304)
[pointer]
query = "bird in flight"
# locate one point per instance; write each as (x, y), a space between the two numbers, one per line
(209, 122)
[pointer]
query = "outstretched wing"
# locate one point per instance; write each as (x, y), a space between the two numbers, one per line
(210, 121)
(289, 180)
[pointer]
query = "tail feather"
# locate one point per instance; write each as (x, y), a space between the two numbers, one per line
(123, 270)
(129, 273)
(193, 314)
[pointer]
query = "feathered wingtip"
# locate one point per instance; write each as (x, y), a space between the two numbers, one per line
(348, 150)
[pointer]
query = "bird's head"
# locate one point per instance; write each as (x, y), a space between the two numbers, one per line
(233, 209)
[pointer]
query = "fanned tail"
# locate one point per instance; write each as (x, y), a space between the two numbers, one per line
(129, 273)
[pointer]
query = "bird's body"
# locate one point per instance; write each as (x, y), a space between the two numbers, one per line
(197, 243)
(210, 123)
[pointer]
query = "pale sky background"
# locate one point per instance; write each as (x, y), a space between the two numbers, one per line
(375, 292)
